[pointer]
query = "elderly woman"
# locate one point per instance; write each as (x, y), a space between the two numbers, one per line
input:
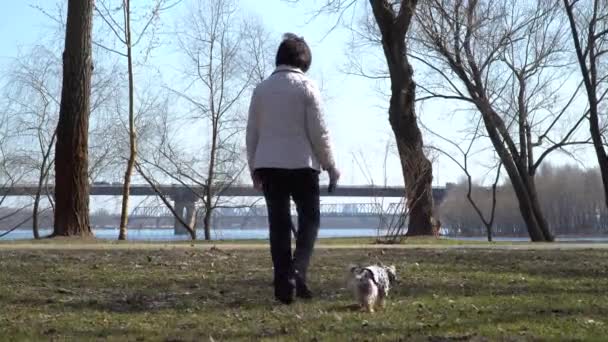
(287, 146)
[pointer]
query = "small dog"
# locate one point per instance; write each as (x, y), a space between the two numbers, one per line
(436, 224)
(371, 284)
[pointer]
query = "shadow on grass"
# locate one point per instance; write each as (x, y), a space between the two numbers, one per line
(344, 308)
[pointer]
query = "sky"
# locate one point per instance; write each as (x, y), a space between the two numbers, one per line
(356, 114)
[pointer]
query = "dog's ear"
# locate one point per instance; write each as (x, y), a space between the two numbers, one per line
(352, 268)
(392, 273)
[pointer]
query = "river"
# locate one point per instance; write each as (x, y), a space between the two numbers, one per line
(143, 234)
(167, 234)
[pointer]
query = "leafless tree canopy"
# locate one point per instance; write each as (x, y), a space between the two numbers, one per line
(510, 62)
(223, 55)
(588, 23)
(527, 79)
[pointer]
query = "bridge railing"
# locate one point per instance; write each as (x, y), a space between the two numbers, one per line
(184, 198)
(176, 191)
(327, 209)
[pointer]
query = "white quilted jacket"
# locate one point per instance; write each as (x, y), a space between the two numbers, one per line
(286, 128)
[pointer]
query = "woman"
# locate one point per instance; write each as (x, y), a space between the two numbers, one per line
(287, 146)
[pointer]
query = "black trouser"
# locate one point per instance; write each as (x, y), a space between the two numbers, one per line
(280, 185)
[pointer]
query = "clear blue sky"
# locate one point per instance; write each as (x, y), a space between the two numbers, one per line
(19, 25)
(357, 122)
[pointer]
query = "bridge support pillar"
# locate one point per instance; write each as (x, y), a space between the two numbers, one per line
(190, 216)
(186, 210)
(178, 228)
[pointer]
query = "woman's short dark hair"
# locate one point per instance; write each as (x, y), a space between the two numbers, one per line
(294, 52)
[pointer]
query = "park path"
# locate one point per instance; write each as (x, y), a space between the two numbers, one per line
(7, 246)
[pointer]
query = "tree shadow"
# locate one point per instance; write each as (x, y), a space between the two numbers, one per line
(344, 308)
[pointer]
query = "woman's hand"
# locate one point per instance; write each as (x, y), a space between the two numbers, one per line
(334, 176)
(257, 181)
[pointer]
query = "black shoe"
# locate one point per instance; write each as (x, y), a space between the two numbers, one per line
(283, 291)
(284, 299)
(302, 290)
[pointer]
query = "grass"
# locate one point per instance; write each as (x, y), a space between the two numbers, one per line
(221, 295)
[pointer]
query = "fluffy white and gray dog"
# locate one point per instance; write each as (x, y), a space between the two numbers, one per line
(371, 284)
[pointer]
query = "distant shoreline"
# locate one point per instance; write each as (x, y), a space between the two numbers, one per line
(198, 228)
(573, 237)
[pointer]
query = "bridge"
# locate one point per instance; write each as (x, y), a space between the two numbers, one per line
(178, 190)
(327, 210)
(335, 215)
(185, 197)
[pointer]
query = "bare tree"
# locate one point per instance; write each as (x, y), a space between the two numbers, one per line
(175, 163)
(394, 217)
(71, 151)
(34, 92)
(508, 58)
(105, 143)
(389, 27)
(463, 164)
(224, 56)
(216, 45)
(122, 32)
(260, 52)
(588, 21)
(12, 169)
(397, 217)
(104, 85)
(393, 20)
(386, 222)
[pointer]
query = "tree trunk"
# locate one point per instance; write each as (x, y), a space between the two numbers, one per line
(71, 151)
(42, 180)
(598, 145)
(417, 169)
(209, 191)
(536, 208)
(191, 219)
(208, 203)
(41, 177)
(589, 74)
(418, 176)
(207, 224)
(35, 229)
(124, 212)
(523, 185)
